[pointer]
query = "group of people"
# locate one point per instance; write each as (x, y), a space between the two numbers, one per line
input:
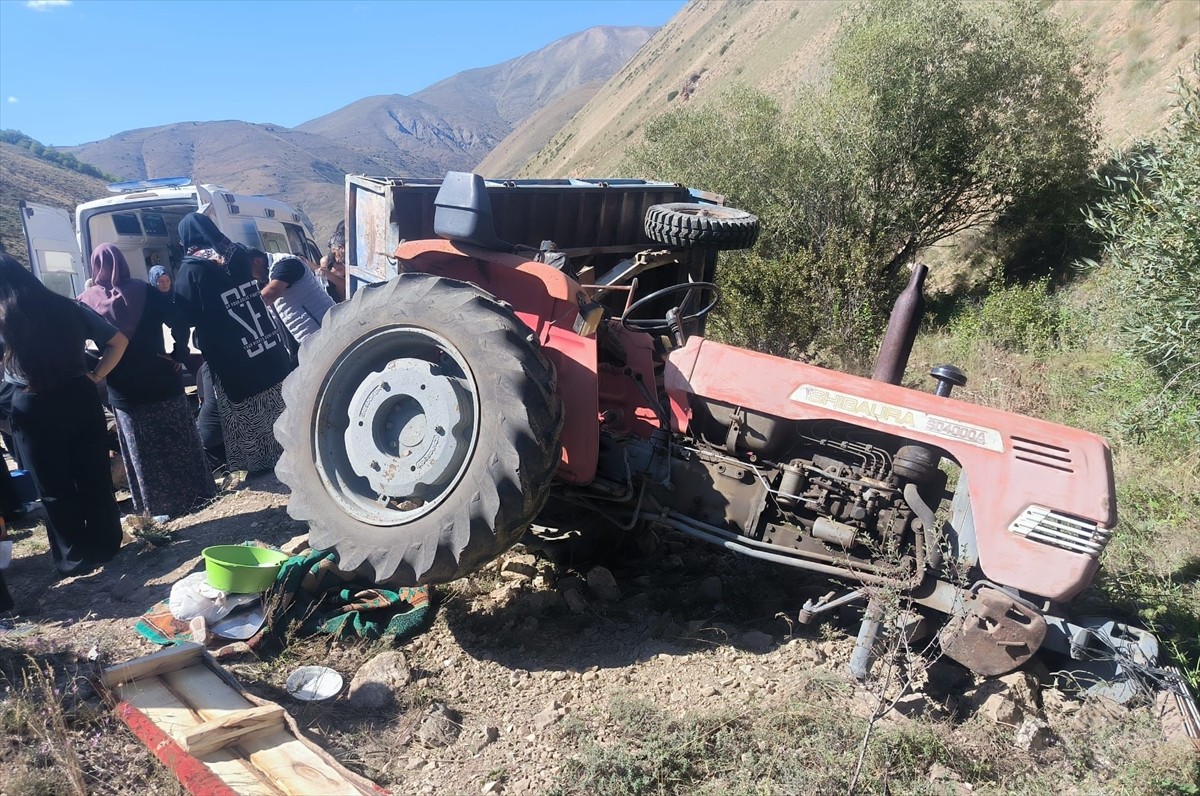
(249, 311)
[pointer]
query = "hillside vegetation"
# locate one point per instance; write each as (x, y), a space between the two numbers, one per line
(51, 155)
(24, 175)
(778, 46)
(1082, 305)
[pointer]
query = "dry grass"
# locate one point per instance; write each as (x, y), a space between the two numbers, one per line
(57, 736)
(810, 746)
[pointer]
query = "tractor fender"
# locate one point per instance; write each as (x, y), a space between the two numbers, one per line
(547, 301)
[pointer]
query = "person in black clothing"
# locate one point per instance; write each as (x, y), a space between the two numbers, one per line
(58, 422)
(244, 349)
(163, 457)
(208, 420)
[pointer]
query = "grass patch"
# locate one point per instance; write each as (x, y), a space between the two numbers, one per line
(811, 746)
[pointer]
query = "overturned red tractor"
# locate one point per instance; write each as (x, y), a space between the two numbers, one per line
(472, 387)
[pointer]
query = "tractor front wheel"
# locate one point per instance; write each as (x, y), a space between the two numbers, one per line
(421, 430)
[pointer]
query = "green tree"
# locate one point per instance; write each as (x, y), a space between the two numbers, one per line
(938, 115)
(1150, 219)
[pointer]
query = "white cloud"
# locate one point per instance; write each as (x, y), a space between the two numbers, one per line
(13, 100)
(46, 5)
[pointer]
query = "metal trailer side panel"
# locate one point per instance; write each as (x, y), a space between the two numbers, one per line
(587, 215)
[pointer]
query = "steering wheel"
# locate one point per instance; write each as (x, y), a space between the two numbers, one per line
(678, 312)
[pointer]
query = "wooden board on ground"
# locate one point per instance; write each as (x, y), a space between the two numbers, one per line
(217, 739)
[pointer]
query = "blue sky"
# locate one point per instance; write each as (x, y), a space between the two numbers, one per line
(73, 72)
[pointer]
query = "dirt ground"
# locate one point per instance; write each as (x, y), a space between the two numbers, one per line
(690, 677)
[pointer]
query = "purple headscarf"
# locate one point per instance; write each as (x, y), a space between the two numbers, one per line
(114, 296)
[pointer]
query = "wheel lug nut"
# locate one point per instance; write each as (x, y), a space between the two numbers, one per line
(375, 466)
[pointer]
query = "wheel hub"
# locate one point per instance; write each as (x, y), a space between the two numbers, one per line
(408, 434)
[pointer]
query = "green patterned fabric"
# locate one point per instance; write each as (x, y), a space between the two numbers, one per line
(312, 591)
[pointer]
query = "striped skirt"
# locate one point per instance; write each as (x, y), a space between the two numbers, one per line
(168, 472)
(248, 428)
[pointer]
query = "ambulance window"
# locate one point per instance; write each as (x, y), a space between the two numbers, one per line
(273, 242)
(61, 262)
(154, 224)
(243, 231)
(62, 284)
(126, 224)
(295, 238)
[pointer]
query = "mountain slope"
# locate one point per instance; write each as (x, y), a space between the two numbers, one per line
(513, 90)
(24, 176)
(711, 45)
(454, 123)
(305, 170)
(408, 136)
(509, 156)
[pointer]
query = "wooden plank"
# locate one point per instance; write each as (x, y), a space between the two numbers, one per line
(152, 698)
(285, 761)
(295, 768)
(205, 692)
(194, 705)
(166, 660)
(192, 774)
(232, 728)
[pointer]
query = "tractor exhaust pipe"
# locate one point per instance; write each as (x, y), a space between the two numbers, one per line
(901, 329)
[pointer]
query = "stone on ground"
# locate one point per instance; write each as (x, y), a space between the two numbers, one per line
(379, 680)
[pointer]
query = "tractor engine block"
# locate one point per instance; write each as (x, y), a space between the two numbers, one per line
(836, 498)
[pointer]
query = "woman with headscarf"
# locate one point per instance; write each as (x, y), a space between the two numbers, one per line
(160, 277)
(58, 422)
(168, 472)
(244, 349)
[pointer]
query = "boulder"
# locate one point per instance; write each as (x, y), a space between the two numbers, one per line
(377, 682)
(757, 640)
(440, 727)
(519, 566)
(572, 592)
(1033, 735)
(603, 585)
(1009, 699)
(711, 589)
(548, 717)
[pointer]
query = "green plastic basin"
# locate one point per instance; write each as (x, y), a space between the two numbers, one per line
(237, 569)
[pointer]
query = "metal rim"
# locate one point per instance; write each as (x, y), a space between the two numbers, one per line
(396, 425)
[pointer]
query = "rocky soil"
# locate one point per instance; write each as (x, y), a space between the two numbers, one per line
(660, 667)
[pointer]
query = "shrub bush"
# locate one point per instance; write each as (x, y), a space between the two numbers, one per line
(1014, 318)
(938, 116)
(1151, 222)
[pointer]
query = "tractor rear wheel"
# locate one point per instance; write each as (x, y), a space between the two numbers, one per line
(687, 224)
(421, 430)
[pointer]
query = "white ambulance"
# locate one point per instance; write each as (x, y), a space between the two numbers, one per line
(142, 218)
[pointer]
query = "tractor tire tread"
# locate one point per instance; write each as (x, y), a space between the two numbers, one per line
(686, 225)
(508, 476)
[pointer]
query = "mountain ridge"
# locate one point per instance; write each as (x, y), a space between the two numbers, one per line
(450, 125)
